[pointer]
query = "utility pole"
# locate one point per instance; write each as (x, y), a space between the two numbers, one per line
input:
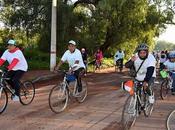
(53, 36)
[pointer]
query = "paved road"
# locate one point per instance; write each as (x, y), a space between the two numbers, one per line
(101, 110)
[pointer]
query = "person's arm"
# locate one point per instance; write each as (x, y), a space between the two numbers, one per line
(129, 64)
(149, 73)
(1, 61)
(3, 58)
(58, 65)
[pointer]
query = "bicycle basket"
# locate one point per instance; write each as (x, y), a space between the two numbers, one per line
(163, 74)
(70, 77)
(128, 86)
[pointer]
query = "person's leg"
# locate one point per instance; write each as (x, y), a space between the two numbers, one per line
(173, 84)
(77, 74)
(150, 86)
(10, 75)
(16, 80)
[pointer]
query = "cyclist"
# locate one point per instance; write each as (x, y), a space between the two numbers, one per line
(170, 66)
(145, 63)
(84, 56)
(16, 68)
(74, 58)
(163, 58)
(98, 58)
(118, 57)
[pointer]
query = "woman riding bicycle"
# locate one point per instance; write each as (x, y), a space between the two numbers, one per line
(145, 63)
(16, 68)
(74, 58)
(170, 66)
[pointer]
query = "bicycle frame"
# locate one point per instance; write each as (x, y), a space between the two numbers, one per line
(66, 85)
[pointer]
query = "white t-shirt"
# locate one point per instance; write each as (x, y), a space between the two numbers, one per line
(9, 56)
(72, 57)
(150, 61)
(170, 65)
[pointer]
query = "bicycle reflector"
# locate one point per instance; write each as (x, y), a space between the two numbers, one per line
(163, 74)
(128, 86)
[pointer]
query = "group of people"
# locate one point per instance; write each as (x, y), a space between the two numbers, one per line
(143, 62)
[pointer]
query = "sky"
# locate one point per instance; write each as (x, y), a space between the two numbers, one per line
(169, 34)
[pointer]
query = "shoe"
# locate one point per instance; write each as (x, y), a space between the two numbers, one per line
(15, 98)
(151, 99)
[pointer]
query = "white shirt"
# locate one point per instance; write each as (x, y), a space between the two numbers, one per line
(170, 65)
(72, 57)
(9, 56)
(149, 61)
(118, 55)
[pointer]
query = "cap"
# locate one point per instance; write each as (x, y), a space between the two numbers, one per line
(12, 42)
(72, 42)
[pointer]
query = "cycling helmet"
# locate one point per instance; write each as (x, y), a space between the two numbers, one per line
(142, 46)
(172, 54)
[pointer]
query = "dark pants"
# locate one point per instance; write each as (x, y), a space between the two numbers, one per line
(14, 81)
(173, 84)
(150, 86)
(78, 76)
(119, 63)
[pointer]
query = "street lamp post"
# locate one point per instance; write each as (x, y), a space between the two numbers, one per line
(53, 36)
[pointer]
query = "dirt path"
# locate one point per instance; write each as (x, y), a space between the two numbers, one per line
(101, 110)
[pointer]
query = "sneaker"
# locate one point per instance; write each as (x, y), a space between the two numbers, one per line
(15, 98)
(151, 99)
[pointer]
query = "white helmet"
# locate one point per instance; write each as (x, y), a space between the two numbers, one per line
(72, 42)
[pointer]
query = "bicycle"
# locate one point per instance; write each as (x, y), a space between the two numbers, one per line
(97, 65)
(134, 104)
(166, 84)
(27, 92)
(118, 65)
(62, 92)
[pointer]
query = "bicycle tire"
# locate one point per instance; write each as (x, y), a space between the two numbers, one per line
(129, 116)
(3, 93)
(27, 92)
(164, 89)
(55, 102)
(83, 94)
(148, 107)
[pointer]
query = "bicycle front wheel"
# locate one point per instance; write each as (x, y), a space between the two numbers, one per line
(83, 94)
(3, 100)
(27, 92)
(164, 89)
(129, 113)
(148, 107)
(58, 98)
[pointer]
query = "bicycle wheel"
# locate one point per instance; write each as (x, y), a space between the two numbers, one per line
(164, 89)
(148, 107)
(129, 113)
(3, 100)
(58, 98)
(27, 92)
(83, 94)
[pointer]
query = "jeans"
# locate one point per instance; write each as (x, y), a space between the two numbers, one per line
(14, 81)
(173, 84)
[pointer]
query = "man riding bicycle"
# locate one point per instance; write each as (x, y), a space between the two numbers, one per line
(170, 66)
(17, 66)
(118, 57)
(145, 63)
(74, 58)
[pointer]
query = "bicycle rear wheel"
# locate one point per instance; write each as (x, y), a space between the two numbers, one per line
(27, 92)
(129, 113)
(58, 98)
(3, 100)
(80, 98)
(148, 107)
(164, 89)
